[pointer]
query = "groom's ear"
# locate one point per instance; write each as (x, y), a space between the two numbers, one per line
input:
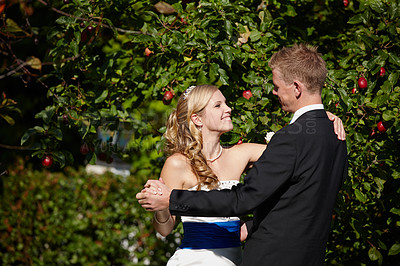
(298, 88)
(196, 119)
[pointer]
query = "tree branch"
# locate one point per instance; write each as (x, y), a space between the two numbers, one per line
(96, 22)
(10, 147)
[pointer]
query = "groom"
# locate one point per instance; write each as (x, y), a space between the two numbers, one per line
(291, 190)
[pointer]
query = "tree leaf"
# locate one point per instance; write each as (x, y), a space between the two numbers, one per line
(164, 8)
(360, 196)
(394, 10)
(393, 78)
(395, 211)
(374, 254)
(394, 250)
(34, 63)
(228, 28)
(227, 55)
(244, 36)
(213, 72)
(57, 133)
(255, 35)
(102, 97)
(355, 19)
(13, 27)
(377, 6)
(223, 77)
(59, 157)
(8, 119)
(46, 114)
(180, 42)
(291, 11)
(394, 59)
(202, 78)
(29, 133)
(388, 115)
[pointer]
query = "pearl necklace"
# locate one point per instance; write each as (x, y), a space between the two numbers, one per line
(216, 157)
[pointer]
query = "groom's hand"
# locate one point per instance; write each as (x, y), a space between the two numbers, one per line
(155, 196)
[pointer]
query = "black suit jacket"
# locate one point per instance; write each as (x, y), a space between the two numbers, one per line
(291, 190)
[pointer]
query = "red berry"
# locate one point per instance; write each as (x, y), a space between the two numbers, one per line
(65, 119)
(354, 90)
(381, 127)
(362, 83)
(167, 98)
(47, 161)
(89, 28)
(84, 148)
(345, 2)
(247, 94)
(372, 133)
(2, 6)
(183, 21)
(382, 72)
(239, 142)
(84, 36)
(148, 52)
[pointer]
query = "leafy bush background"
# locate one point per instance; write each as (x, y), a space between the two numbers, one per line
(67, 81)
(71, 217)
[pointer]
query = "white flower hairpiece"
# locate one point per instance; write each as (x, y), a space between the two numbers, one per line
(268, 137)
(187, 91)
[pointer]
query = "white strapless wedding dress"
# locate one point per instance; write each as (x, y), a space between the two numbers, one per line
(209, 240)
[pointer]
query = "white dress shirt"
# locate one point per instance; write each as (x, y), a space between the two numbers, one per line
(305, 109)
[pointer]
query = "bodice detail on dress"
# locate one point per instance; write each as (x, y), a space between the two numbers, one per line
(224, 184)
(211, 232)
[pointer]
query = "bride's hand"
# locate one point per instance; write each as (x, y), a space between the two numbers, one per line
(153, 186)
(243, 232)
(155, 196)
(337, 125)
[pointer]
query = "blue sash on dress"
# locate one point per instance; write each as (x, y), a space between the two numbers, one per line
(211, 235)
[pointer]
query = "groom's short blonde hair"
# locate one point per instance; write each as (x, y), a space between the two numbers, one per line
(302, 62)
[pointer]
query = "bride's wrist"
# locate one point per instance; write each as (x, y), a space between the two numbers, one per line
(163, 220)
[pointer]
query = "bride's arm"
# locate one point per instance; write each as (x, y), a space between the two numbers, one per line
(250, 151)
(174, 173)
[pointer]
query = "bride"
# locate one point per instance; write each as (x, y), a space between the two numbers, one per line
(197, 161)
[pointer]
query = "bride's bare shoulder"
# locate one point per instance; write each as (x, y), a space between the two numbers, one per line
(177, 172)
(247, 151)
(177, 160)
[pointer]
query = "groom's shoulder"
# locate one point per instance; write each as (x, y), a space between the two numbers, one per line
(310, 122)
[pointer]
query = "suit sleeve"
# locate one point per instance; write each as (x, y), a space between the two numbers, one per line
(273, 170)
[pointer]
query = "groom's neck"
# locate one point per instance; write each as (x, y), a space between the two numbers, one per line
(311, 99)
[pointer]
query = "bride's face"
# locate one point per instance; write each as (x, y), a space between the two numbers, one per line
(216, 116)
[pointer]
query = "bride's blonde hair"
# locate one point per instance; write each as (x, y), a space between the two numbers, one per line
(183, 136)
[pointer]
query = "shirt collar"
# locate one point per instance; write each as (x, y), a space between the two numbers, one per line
(305, 109)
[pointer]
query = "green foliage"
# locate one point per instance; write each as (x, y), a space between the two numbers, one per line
(74, 218)
(8, 108)
(97, 73)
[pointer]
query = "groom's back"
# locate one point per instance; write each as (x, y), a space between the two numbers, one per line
(292, 226)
